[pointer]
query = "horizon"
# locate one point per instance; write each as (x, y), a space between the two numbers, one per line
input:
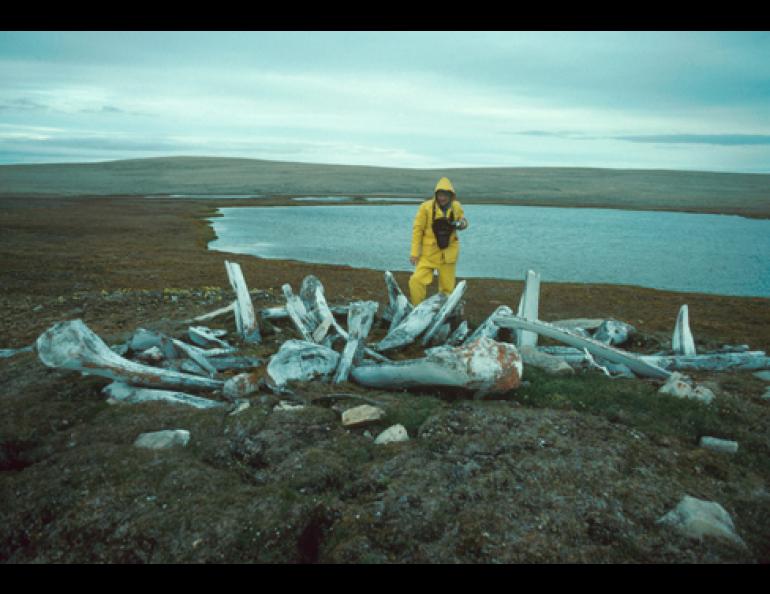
(641, 100)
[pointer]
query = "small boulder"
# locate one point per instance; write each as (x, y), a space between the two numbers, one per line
(361, 415)
(697, 518)
(159, 440)
(723, 446)
(392, 434)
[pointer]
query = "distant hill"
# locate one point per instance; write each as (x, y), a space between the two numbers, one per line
(737, 193)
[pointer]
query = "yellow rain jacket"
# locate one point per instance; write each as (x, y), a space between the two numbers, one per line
(424, 244)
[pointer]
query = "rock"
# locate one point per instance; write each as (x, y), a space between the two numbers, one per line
(159, 440)
(392, 434)
(715, 444)
(697, 518)
(361, 415)
(285, 405)
(239, 407)
(678, 387)
(763, 375)
(549, 363)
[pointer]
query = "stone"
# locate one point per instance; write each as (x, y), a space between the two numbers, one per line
(723, 446)
(549, 363)
(285, 405)
(361, 415)
(392, 434)
(696, 518)
(160, 440)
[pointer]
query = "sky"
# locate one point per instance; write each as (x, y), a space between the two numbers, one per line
(696, 101)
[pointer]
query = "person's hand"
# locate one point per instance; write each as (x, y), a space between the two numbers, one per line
(463, 224)
(413, 260)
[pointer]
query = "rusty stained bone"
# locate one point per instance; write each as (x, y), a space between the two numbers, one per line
(245, 317)
(412, 325)
(451, 303)
(483, 366)
(611, 354)
(528, 308)
(360, 318)
(72, 345)
(120, 392)
(299, 360)
(682, 341)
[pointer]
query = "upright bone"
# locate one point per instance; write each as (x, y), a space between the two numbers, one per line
(360, 320)
(245, 317)
(413, 325)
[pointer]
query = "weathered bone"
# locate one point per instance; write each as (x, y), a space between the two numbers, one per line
(398, 305)
(413, 325)
(205, 337)
(750, 361)
(280, 312)
(528, 308)
(120, 392)
(489, 327)
(144, 339)
(360, 320)
(298, 314)
(483, 366)
(194, 354)
(72, 345)
(574, 324)
(5, 353)
(245, 318)
(312, 295)
(682, 341)
(299, 360)
(235, 362)
(446, 310)
(612, 354)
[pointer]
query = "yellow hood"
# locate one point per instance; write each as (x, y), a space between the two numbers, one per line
(444, 184)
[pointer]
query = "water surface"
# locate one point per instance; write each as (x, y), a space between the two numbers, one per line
(721, 254)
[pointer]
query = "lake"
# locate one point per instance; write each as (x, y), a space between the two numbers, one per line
(719, 254)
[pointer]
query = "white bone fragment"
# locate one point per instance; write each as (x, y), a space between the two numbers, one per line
(204, 337)
(299, 360)
(613, 332)
(214, 314)
(412, 325)
(451, 303)
(245, 317)
(360, 318)
(72, 345)
(298, 313)
(280, 313)
(612, 354)
(682, 341)
(574, 324)
(120, 392)
(529, 308)
(195, 355)
(483, 366)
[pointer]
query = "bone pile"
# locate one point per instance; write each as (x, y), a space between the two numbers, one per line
(198, 368)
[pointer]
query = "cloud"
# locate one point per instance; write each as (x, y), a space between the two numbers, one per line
(713, 139)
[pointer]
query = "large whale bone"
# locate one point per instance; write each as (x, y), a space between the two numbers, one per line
(484, 366)
(412, 325)
(245, 317)
(311, 293)
(746, 361)
(398, 305)
(450, 305)
(682, 341)
(72, 345)
(599, 349)
(360, 318)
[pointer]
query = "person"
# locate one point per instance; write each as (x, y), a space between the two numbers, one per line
(435, 245)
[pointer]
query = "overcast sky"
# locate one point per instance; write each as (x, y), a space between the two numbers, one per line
(642, 100)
